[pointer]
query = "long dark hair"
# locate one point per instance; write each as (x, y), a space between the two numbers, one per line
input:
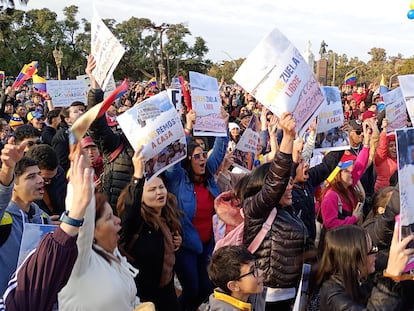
(345, 255)
(251, 184)
(337, 186)
(186, 164)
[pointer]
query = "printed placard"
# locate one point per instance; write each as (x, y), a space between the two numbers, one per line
(156, 125)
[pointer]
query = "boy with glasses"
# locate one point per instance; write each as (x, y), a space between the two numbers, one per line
(239, 280)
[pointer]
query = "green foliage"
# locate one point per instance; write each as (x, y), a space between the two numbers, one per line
(151, 50)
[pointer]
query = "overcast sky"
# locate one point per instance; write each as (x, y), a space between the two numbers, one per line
(232, 28)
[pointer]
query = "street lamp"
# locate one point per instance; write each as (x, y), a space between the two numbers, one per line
(392, 76)
(58, 56)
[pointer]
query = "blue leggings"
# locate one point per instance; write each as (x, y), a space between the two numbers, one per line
(191, 270)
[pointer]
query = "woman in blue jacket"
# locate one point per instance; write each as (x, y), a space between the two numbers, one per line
(192, 182)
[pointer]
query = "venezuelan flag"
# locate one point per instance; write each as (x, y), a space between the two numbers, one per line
(152, 82)
(350, 79)
(27, 72)
(383, 88)
(39, 83)
(2, 74)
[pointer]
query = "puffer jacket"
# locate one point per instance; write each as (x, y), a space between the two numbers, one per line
(385, 295)
(280, 254)
(118, 172)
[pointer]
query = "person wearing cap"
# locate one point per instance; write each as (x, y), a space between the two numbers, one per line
(385, 161)
(234, 137)
(356, 136)
(340, 197)
(15, 122)
(92, 151)
(35, 119)
(244, 120)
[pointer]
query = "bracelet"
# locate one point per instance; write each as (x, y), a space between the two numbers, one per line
(398, 278)
(71, 221)
(187, 130)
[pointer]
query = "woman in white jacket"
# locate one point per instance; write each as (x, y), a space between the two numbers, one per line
(101, 279)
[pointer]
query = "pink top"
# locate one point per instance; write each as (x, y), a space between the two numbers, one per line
(330, 202)
(384, 165)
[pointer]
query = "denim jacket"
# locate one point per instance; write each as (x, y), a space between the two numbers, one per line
(180, 185)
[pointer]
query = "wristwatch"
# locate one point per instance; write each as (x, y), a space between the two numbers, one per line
(71, 221)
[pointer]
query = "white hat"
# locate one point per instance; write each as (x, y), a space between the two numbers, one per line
(233, 125)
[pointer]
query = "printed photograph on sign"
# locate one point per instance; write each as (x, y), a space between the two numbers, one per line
(156, 125)
(331, 134)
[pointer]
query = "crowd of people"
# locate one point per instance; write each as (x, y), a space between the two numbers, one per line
(123, 242)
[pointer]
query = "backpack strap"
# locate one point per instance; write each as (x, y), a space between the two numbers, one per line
(254, 245)
(339, 204)
(115, 153)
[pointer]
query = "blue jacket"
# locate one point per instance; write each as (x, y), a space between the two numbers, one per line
(180, 185)
(9, 250)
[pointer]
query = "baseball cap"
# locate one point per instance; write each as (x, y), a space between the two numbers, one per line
(34, 115)
(87, 142)
(368, 114)
(356, 125)
(341, 166)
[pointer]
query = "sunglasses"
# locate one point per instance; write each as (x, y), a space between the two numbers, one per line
(198, 156)
(358, 132)
(254, 271)
(373, 250)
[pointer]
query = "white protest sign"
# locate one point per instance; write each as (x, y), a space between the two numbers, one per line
(407, 88)
(110, 87)
(405, 160)
(206, 102)
(32, 234)
(246, 148)
(175, 97)
(277, 75)
(155, 124)
(65, 92)
(106, 49)
(330, 135)
(395, 110)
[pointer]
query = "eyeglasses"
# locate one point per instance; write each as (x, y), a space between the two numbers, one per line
(198, 156)
(374, 250)
(254, 271)
(358, 132)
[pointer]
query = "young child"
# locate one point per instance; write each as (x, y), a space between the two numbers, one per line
(239, 281)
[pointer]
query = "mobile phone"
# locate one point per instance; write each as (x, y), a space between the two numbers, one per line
(403, 231)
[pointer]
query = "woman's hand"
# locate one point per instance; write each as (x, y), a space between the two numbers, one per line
(190, 119)
(177, 240)
(288, 124)
(138, 161)
(399, 253)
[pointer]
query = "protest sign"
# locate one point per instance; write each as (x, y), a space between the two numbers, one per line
(155, 124)
(32, 234)
(246, 148)
(106, 49)
(277, 75)
(407, 88)
(206, 102)
(175, 97)
(65, 92)
(110, 87)
(330, 135)
(395, 110)
(405, 158)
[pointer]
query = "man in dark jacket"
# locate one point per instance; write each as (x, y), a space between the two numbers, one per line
(305, 182)
(49, 131)
(114, 147)
(54, 179)
(60, 141)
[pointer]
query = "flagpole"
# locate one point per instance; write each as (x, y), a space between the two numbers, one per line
(355, 68)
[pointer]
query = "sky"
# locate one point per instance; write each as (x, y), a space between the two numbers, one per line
(232, 28)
